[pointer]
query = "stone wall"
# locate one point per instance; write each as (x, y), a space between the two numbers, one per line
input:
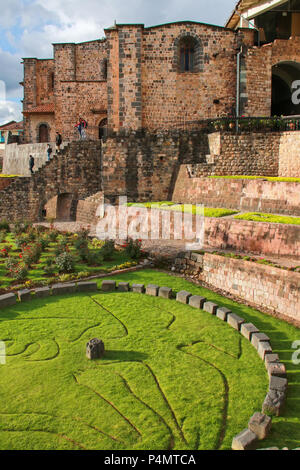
(275, 289)
(243, 154)
(144, 165)
(16, 159)
(5, 182)
(239, 194)
(76, 172)
(289, 154)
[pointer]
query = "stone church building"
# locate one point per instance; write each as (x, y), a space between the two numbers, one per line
(158, 77)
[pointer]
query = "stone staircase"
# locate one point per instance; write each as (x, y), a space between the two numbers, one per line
(74, 170)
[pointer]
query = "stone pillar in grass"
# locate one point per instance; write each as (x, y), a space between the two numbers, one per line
(95, 349)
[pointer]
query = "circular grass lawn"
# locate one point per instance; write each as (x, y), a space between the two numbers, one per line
(173, 377)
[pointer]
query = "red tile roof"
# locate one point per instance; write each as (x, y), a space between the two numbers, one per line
(12, 126)
(43, 108)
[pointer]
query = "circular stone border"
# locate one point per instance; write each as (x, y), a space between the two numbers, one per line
(260, 423)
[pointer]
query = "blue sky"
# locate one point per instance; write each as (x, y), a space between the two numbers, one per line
(29, 27)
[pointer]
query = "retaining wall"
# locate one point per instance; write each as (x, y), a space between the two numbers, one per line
(240, 194)
(16, 158)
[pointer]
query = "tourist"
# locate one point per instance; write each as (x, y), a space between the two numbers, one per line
(49, 151)
(84, 125)
(58, 141)
(31, 164)
(79, 127)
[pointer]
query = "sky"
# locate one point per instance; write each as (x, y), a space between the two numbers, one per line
(29, 27)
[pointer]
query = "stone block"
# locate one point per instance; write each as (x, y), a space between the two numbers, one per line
(95, 349)
(87, 286)
(123, 287)
(210, 307)
(222, 313)
(108, 286)
(6, 300)
(139, 288)
(260, 424)
(197, 301)
(165, 292)
(235, 321)
(152, 289)
(247, 330)
(278, 383)
(183, 297)
(257, 338)
(245, 440)
(273, 403)
(264, 348)
(24, 295)
(276, 369)
(42, 292)
(60, 289)
(271, 359)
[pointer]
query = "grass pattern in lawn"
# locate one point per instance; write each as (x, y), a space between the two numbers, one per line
(172, 377)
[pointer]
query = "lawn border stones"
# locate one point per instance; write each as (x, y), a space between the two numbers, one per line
(257, 338)
(6, 300)
(24, 294)
(247, 330)
(138, 288)
(123, 287)
(222, 313)
(210, 307)
(41, 292)
(197, 301)
(87, 286)
(183, 297)
(235, 321)
(165, 292)
(152, 289)
(60, 289)
(260, 424)
(108, 286)
(245, 440)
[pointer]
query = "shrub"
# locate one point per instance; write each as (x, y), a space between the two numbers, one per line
(4, 252)
(11, 265)
(21, 240)
(65, 262)
(4, 225)
(20, 272)
(97, 243)
(2, 236)
(53, 234)
(107, 250)
(133, 248)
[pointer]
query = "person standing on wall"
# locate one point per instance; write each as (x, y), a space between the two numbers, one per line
(31, 164)
(49, 151)
(79, 127)
(84, 125)
(58, 141)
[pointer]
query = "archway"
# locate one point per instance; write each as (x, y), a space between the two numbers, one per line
(43, 133)
(102, 128)
(62, 207)
(283, 76)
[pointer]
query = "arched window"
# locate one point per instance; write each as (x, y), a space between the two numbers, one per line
(51, 81)
(102, 128)
(189, 54)
(103, 69)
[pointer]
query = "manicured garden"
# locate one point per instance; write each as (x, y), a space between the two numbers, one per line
(37, 256)
(173, 377)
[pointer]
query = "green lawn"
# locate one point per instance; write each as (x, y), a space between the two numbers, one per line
(187, 208)
(271, 218)
(172, 377)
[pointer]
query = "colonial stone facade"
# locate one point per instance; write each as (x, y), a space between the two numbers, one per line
(160, 77)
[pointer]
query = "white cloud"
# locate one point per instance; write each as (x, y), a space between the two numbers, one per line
(10, 111)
